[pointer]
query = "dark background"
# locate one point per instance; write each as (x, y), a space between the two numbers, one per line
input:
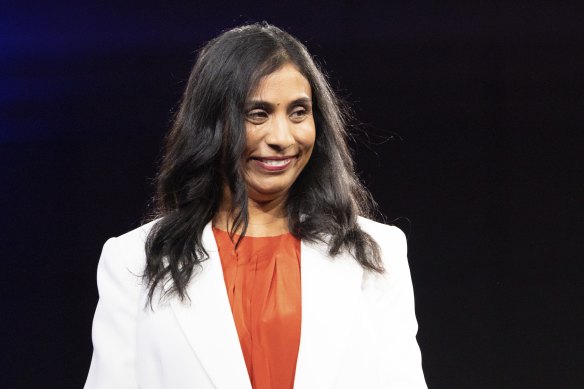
(471, 128)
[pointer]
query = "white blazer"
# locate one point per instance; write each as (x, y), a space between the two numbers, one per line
(358, 329)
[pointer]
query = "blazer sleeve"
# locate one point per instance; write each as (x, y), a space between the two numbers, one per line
(114, 323)
(400, 352)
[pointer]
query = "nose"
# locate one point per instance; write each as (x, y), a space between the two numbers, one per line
(279, 135)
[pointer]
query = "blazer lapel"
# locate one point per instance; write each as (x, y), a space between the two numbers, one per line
(208, 323)
(331, 290)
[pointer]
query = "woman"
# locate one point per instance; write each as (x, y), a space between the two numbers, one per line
(260, 270)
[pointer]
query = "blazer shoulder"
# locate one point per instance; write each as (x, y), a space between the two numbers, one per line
(136, 238)
(382, 233)
(140, 233)
(128, 249)
(392, 242)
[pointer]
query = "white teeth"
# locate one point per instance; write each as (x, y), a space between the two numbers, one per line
(275, 162)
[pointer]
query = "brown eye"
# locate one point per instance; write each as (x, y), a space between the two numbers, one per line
(299, 114)
(256, 116)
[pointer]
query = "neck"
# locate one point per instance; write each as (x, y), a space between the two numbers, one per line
(266, 218)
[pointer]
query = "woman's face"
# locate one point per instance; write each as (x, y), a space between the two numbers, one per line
(280, 133)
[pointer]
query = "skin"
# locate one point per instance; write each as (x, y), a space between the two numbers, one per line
(280, 136)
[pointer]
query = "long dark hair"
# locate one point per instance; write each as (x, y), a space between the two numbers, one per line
(203, 155)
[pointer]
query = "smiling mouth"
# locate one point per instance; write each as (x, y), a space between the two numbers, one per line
(274, 164)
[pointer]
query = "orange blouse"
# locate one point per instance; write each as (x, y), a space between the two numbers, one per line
(263, 284)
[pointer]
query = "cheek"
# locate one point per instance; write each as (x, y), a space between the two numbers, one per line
(307, 136)
(251, 138)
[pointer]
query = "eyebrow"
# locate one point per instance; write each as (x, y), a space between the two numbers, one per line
(266, 105)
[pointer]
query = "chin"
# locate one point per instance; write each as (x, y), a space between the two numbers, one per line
(267, 193)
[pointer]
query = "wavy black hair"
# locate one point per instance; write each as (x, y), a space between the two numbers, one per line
(203, 155)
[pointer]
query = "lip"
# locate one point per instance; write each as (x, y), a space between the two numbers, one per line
(275, 163)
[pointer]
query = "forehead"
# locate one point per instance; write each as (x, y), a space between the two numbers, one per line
(284, 82)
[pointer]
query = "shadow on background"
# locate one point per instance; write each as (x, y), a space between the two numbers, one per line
(471, 129)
